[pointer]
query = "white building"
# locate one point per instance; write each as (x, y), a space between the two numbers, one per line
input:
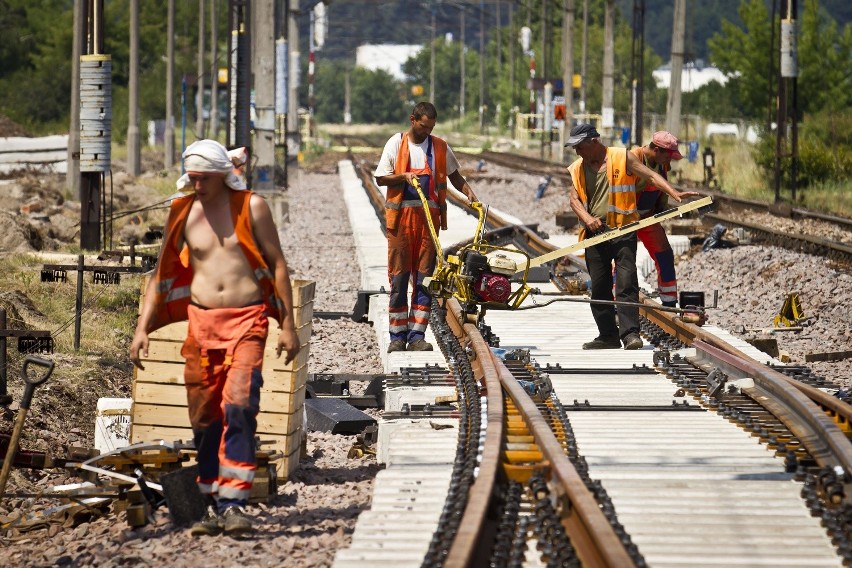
(387, 57)
(693, 76)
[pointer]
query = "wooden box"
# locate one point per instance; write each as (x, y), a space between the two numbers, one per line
(159, 398)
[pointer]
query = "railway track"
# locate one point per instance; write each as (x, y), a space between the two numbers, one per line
(689, 452)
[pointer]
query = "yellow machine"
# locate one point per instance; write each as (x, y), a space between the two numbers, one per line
(479, 274)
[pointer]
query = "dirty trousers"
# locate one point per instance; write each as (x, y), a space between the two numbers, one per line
(599, 259)
(657, 244)
(224, 357)
(411, 257)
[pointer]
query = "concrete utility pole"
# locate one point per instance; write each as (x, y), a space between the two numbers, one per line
(133, 151)
(95, 124)
(264, 93)
(169, 135)
(347, 97)
(199, 93)
(431, 59)
(607, 110)
(214, 71)
(673, 102)
(239, 76)
(461, 63)
(637, 70)
(545, 39)
(498, 29)
(568, 64)
(72, 173)
(481, 66)
(585, 56)
(293, 70)
(787, 95)
(513, 46)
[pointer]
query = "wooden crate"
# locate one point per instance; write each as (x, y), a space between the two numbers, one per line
(159, 397)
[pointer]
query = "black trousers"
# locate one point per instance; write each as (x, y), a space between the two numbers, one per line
(599, 259)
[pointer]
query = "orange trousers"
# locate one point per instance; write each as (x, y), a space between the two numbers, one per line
(224, 358)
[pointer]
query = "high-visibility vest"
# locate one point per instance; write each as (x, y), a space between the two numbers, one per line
(621, 209)
(646, 199)
(173, 274)
(437, 182)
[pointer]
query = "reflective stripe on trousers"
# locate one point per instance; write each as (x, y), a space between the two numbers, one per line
(411, 257)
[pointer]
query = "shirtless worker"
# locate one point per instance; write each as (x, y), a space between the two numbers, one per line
(221, 266)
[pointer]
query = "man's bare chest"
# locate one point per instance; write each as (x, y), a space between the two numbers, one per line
(210, 233)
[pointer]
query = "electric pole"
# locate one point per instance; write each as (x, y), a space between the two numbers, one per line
(673, 102)
(239, 76)
(607, 110)
(293, 70)
(637, 70)
(199, 100)
(133, 151)
(787, 94)
(72, 172)
(568, 65)
(169, 133)
(481, 66)
(431, 59)
(545, 40)
(263, 64)
(214, 71)
(95, 124)
(461, 64)
(584, 56)
(513, 40)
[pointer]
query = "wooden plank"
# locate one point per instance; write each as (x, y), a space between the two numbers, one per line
(303, 291)
(175, 395)
(177, 417)
(828, 356)
(169, 350)
(172, 373)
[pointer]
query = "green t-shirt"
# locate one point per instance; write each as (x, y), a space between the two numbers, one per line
(597, 193)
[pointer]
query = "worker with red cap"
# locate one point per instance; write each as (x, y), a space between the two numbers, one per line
(411, 252)
(657, 155)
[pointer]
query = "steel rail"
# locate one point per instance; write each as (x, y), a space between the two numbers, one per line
(591, 534)
(470, 537)
(689, 333)
(774, 391)
(811, 244)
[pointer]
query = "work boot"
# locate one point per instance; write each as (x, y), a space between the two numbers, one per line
(236, 522)
(603, 343)
(209, 525)
(420, 345)
(396, 345)
(633, 341)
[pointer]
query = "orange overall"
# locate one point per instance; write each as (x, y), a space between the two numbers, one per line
(411, 252)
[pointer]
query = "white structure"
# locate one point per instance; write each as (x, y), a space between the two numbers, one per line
(387, 57)
(693, 77)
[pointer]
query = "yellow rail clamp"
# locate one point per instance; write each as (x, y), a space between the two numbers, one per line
(791, 312)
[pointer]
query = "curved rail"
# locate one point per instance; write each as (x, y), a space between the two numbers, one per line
(591, 533)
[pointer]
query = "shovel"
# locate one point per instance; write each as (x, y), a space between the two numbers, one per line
(29, 389)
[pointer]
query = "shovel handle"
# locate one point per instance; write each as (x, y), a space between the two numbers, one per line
(31, 384)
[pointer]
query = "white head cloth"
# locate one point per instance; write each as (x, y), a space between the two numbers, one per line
(210, 156)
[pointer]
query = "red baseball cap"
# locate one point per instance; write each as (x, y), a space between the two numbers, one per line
(667, 140)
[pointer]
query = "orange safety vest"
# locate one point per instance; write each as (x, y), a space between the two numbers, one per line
(438, 181)
(174, 273)
(649, 185)
(622, 188)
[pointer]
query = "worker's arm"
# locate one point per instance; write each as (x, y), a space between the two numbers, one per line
(139, 344)
(591, 222)
(266, 235)
(459, 182)
(396, 179)
(636, 166)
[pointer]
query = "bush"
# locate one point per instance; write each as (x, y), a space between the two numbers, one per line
(825, 151)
